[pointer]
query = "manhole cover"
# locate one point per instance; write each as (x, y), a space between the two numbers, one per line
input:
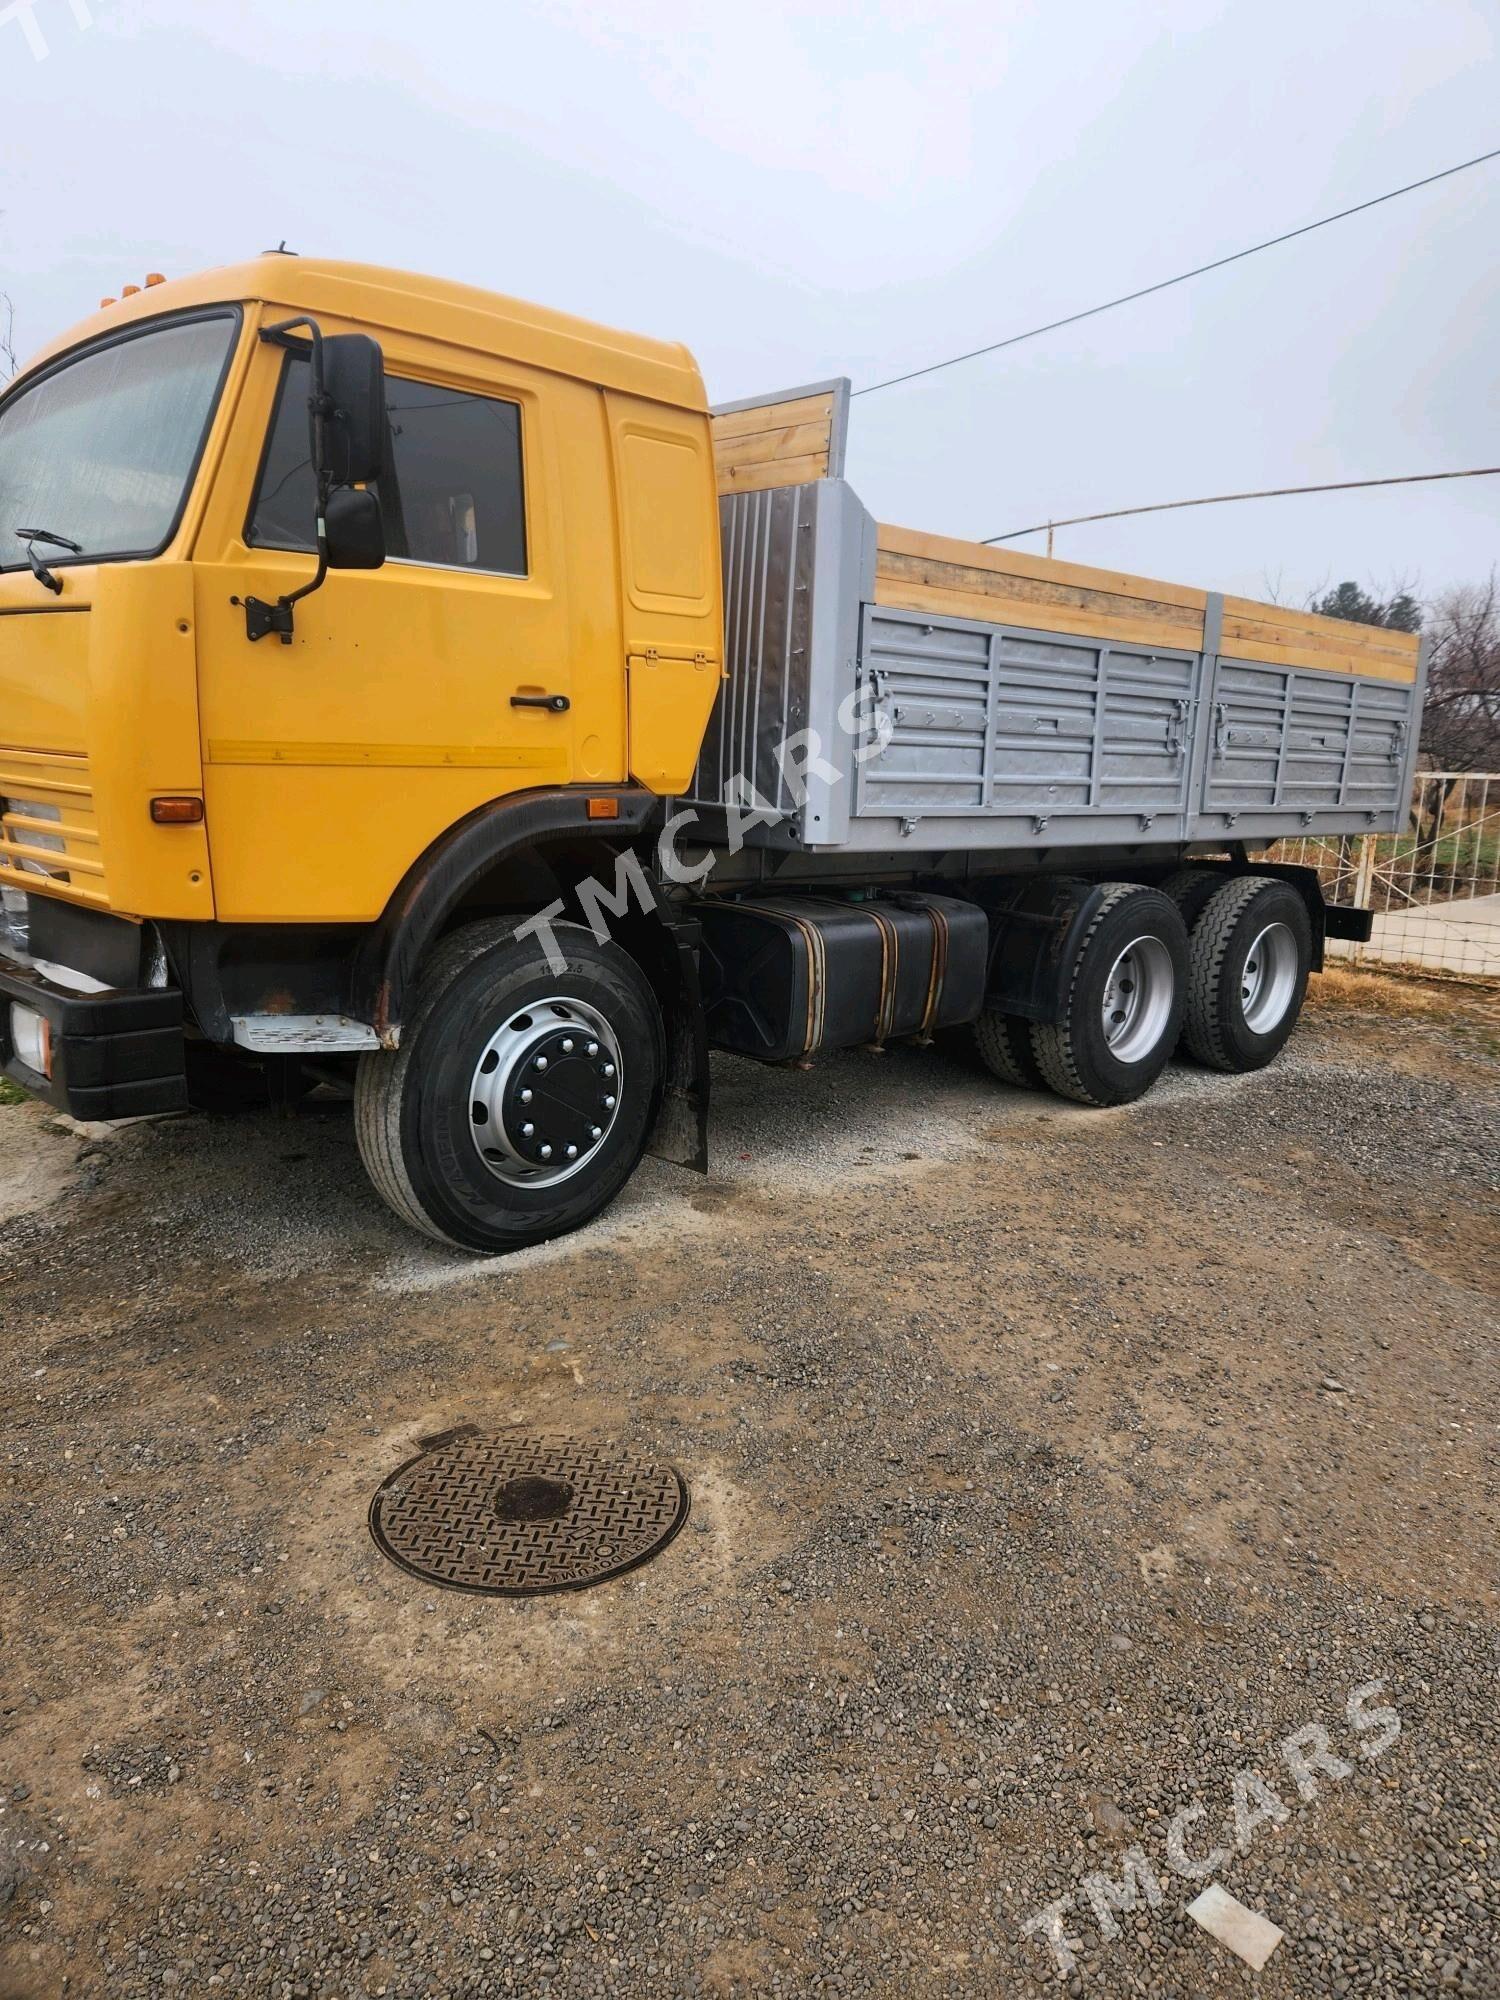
(516, 1515)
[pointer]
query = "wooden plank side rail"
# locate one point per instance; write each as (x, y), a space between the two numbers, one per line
(958, 579)
(785, 440)
(1279, 636)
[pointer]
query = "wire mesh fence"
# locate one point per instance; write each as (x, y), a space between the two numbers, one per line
(1434, 887)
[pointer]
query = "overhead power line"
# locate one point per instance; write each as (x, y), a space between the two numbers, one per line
(1218, 499)
(1164, 284)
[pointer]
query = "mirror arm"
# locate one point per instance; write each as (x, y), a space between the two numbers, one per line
(262, 619)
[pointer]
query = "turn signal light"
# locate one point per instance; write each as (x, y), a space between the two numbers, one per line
(603, 809)
(177, 812)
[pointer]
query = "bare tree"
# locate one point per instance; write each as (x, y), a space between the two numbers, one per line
(1461, 722)
(1461, 718)
(7, 337)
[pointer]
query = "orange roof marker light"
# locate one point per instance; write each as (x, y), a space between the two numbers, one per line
(107, 302)
(154, 278)
(129, 291)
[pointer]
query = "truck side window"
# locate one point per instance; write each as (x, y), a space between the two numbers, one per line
(451, 490)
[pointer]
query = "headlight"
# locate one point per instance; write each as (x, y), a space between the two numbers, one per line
(31, 1038)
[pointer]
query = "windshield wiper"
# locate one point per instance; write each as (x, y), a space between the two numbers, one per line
(43, 575)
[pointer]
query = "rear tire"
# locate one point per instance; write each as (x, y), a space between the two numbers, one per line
(1191, 888)
(1248, 964)
(1123, 1011)
(1003, 1044)
(444, 1132)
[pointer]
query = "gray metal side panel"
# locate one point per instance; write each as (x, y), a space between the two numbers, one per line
(797, 562)
(1024, 738)
(1414, 731)
(843, 577)
(1291, 750)
(766, 540)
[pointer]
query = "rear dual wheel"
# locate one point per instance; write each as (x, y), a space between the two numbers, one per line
(1222, 961)
(1123, 1010)
(1122, 1013)
(1249, 958)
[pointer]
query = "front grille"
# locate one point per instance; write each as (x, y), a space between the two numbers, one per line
(48, 832)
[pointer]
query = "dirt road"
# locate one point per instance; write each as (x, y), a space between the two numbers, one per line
(1048, 1469)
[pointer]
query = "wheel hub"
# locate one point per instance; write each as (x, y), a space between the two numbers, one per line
(546, 1092)
(1269, 978)
(1137, 1002)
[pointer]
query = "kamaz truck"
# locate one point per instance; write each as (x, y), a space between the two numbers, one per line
(405, 688)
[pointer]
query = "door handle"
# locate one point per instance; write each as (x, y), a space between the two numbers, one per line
(557, 703)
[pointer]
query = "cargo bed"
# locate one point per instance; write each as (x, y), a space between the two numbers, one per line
(1002, 701)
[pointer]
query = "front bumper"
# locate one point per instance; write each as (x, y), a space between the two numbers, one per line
(113, 1053)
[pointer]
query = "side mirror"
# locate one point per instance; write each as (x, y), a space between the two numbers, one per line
(354, 530)
(347, 422)
(354, 409)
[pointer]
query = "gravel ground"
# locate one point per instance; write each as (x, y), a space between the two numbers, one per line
(1049, 1468)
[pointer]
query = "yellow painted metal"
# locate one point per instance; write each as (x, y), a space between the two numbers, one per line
(671, 698)
(464, 318)
(122, 690)
(143, 737)
(407, 670)
(669, 565)
(392, 756)
(44, 658)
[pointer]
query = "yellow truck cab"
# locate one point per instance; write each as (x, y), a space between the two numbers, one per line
(358, 631)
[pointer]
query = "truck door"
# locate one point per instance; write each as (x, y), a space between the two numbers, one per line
(408, 695)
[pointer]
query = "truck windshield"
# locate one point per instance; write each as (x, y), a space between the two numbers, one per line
(102, 449)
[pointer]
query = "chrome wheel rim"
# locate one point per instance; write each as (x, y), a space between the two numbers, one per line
(1269, 979)
(1138, 997)
(545, 1092)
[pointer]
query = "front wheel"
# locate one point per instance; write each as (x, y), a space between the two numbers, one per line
(520, 1099)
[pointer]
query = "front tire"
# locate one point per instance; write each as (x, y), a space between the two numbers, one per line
(1123, 1011)
(1248, 965)
(520, 1099)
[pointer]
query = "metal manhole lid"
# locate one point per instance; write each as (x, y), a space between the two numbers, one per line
(514, 1514)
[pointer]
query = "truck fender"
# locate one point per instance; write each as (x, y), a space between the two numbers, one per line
(1036, 928)
(554, 836)
(453, 868)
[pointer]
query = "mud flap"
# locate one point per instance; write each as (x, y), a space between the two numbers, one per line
(680, 1134)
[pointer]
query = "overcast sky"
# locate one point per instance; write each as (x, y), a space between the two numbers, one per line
(800, 191)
